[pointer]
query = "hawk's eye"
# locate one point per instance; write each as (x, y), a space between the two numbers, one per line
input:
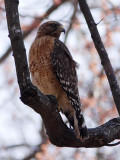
(53, 25)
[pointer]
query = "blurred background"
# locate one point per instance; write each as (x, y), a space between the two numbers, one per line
(22, 133)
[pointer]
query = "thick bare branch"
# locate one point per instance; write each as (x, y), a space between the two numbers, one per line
(59, 134)
(102, 53)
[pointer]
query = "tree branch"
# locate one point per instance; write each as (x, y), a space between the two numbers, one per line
(113, 144)
(71, 20)
(5, 55)
(33, 25)
(59, 134)
(102, 53)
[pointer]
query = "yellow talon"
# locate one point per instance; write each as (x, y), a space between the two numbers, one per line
(59, 109)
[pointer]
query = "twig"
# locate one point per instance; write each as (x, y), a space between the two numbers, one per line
(16, 145)
(114, 144)
(38, 148)
(72, 20)
(33, 152)
(99, 21)
(5, 55)
(113, 9)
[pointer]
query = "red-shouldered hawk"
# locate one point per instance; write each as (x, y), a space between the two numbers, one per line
(53, 71)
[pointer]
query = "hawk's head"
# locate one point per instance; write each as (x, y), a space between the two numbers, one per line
(50, 28)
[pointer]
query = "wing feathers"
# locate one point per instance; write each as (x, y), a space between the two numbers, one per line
(64, 68)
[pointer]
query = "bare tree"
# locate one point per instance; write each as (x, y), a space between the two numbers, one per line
(59, 134)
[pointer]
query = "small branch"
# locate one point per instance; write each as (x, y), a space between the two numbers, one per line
(16, 145)
(33, 152)
(102, 53)
(71, 21)
(99, 21)
(114, 144)
(38, 148)
(113, 9)
(5, 55)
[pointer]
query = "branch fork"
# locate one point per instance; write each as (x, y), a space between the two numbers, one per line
(58, 132)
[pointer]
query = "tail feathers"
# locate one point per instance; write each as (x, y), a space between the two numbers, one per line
(70, 118)
(83, 133)
(82, 126)
(78, 123)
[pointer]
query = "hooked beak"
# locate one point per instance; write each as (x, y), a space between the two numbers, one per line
(62, 29)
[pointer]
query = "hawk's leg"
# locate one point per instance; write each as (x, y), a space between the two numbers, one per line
(79, 127)
(70, 119)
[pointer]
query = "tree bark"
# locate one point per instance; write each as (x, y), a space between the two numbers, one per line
(59, 134)
(102, 53)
